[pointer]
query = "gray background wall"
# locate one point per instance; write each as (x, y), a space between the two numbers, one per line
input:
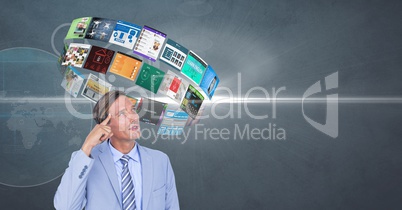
(271, 43)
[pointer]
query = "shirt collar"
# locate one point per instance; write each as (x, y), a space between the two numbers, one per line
(116, 154)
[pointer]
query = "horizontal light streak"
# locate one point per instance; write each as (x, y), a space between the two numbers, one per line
(221, 100)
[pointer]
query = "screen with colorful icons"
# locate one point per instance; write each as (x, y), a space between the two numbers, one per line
(125, 34)
(150, 78)
(174, 54)
(149, 43)
(126, 66)
(173, 123)
(194, 67)
(133, 53)
(192, 101)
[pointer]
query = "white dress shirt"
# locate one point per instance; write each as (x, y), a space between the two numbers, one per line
(134, 166)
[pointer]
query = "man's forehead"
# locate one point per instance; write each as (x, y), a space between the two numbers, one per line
(121, 103)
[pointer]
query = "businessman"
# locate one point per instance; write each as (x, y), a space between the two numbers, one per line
(111, 170)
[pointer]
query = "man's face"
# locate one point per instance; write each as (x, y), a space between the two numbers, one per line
(125, 120)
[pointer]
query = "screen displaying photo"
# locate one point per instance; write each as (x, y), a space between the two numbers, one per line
(78, 28)
(72, 81)
(76, 54)
(100, 29)
(95, 88)
(173, 86)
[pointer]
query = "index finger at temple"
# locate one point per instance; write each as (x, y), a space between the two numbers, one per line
(106, 120)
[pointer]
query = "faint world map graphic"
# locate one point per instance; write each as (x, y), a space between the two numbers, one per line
(38, 133)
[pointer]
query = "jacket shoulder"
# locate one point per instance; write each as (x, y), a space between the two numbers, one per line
(157, 156)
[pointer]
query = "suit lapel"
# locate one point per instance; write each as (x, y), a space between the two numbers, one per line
(147, 175)
(107, 162)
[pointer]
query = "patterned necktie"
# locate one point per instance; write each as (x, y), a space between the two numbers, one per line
(127, 186)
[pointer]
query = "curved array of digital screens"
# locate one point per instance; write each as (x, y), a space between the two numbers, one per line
(142, 43)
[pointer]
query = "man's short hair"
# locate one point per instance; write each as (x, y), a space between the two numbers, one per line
(101, 108)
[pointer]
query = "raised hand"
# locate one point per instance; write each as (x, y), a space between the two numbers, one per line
(99, 133)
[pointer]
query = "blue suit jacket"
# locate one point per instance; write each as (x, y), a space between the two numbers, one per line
(92, 182)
